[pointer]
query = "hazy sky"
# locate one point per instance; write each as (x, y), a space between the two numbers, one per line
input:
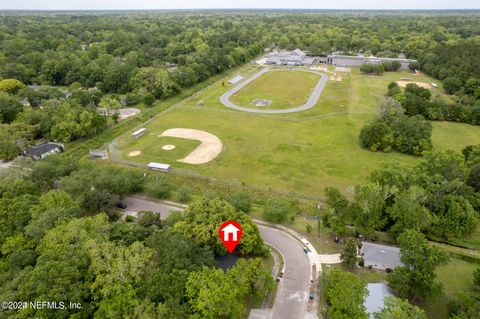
(202, 4)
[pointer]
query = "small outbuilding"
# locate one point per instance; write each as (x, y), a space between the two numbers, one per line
(159, 167)
(39, 151)
(98, 154)
(381, 257)
(139, 133)
(236, 79)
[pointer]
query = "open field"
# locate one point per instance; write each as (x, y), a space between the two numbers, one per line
(286, 89)
(150, 148)
(302, 152)
(456, 276)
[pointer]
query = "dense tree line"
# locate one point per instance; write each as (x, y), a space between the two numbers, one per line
(49, 114)
(61, 240)
(108, 51)
(456, 63)
(439, 197)
(392, 129)
(418, 101)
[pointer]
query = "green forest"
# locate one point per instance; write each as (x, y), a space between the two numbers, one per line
(62, 236)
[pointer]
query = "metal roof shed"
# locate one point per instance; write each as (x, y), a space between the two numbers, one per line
(235, 80)
(159, 167)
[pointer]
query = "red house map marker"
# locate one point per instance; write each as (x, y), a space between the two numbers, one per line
(230, 233)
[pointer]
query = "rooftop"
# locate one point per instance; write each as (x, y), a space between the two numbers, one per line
(376, 294)
(43, 148)
(381, 256)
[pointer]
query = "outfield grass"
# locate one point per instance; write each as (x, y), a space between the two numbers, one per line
(286, 89)
(301, 152)
(150, 146)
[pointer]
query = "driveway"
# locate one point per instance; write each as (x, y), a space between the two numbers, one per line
(312, 100)
(292, 295)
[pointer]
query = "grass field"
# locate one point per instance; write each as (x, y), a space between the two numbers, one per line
(301, 152)
(286, 89)
(456, 276)
(150, 146)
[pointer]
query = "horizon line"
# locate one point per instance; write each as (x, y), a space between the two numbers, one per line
(253, 8)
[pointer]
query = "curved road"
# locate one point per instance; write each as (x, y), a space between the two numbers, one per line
(292, 295)
(312, 100)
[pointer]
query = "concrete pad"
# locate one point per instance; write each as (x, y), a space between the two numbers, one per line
(260, 314)
(330, 259)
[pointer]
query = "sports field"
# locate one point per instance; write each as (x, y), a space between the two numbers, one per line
(301, 152)
(284, 88)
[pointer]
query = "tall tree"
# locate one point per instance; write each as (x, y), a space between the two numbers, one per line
(202, 220)
(346, 295)
(416, 279)
(395, 308)
(349, 254)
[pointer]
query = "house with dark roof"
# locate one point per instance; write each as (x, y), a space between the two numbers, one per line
(39, 151)
(380, 256)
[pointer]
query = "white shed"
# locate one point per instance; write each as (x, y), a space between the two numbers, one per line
(139, 133)
(235, 80)
(159, 167)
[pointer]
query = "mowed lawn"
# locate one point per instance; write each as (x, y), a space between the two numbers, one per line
(285, 88)
(456, 276)
(301, 152)
(150, 148)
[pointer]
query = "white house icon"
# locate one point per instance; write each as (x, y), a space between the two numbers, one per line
(230, 229)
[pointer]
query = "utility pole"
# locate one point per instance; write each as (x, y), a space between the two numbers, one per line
(319, 207)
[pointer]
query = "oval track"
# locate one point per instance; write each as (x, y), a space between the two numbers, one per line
(312, 100)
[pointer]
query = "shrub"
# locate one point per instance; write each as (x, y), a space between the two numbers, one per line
(11, 86)
(148, 99)
(133, 99)
(184, 194)
(279, 210)
(361, 262)
(452, 85)
(158, 186)
(308, 229)
(241, 202)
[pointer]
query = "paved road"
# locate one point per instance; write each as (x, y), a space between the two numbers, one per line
(136, 204)
(292, 294)
(312, 100)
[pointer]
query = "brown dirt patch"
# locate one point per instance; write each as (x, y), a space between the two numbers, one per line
(420, 84)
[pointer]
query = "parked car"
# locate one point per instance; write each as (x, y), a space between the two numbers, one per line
(121, 205)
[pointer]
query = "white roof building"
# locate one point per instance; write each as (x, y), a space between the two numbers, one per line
(159, 166)
(236, 79)
(375, 299)
(295, 57)
(139, 133)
